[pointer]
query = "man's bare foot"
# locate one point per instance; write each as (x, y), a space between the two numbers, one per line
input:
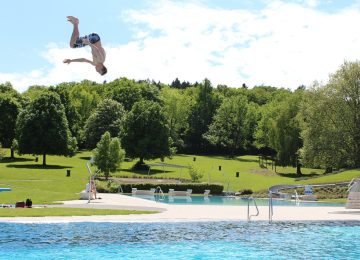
(72, 19)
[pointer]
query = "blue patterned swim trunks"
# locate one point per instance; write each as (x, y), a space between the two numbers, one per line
(93, 38)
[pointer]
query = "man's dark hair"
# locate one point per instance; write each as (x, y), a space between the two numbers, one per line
(103, 70)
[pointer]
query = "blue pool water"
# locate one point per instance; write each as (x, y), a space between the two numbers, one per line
(223, 200)
(194, 240)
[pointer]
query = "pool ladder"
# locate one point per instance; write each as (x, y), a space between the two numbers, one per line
(297, 198)
(271, 208)
(248, 209)
(160, 193)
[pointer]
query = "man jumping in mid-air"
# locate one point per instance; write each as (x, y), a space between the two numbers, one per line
(93, 40)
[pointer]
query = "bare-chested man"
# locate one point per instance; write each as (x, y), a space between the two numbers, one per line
(93, 40)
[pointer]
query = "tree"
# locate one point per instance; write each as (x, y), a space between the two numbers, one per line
(124, 91)
(84, 98)
(10, 108)
(7, 88)
(201, 116)
(33, 92)
(128, 92)
(176, 84)
(331, 120)
(262, 95)
(177, 107)
(108, 154)
(323, 145)
(149, 90)
(72, 115)
(42, 128)
(279, 129)
(146, 134)
(230, 127)
(108, 116)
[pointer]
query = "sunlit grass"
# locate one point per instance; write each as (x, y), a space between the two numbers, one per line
(47, 212)
(44, 185)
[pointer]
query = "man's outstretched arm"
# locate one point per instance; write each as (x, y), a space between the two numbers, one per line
(68, 61)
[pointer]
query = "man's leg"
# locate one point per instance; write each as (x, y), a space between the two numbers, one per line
(75, 33)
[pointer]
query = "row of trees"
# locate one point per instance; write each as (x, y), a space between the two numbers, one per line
(318, 126)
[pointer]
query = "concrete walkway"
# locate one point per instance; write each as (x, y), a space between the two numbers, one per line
(176, 213)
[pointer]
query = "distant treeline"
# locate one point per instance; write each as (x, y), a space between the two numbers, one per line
(317, 126)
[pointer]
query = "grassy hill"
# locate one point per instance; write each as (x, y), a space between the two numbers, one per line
(29, 179)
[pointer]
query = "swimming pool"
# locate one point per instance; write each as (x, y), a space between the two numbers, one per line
(181, 240)
(223, 200)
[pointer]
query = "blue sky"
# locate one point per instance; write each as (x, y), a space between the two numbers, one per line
(279, 43)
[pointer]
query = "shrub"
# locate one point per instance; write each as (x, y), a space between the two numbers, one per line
(246, 192)
(195, 174)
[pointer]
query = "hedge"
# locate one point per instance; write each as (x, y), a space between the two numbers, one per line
(197, 188)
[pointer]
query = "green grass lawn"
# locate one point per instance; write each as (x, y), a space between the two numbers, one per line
(29, 179)
(251, 175)
(46, 212)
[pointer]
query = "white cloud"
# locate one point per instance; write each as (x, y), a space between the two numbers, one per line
(312, 3)
(284, 45)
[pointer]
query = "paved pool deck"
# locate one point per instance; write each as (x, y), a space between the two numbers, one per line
(180, 213)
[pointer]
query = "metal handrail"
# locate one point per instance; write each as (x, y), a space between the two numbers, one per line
(90, 181)
(91, 178)
(351, 184)
(158, 188)
(297, 199)
(248, 209)
(271, 208)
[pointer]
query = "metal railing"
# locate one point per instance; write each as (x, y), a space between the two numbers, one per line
(91, 182)
(297, 198)
(160, 193)
(92, 186)
(248, 209)
(271, 208)
(351, 184)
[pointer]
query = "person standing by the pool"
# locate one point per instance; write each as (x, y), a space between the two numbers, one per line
(93, 40)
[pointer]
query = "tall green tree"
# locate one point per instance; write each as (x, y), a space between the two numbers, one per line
(146, 134)
(72, 115)
(201, 116)
(323, 145)
(85, 98)
(42, 128)
(231, 125)
(279, 129)
(177, 106)
(108, 154)
(331, 120)
(108, 116)
(10, 108)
